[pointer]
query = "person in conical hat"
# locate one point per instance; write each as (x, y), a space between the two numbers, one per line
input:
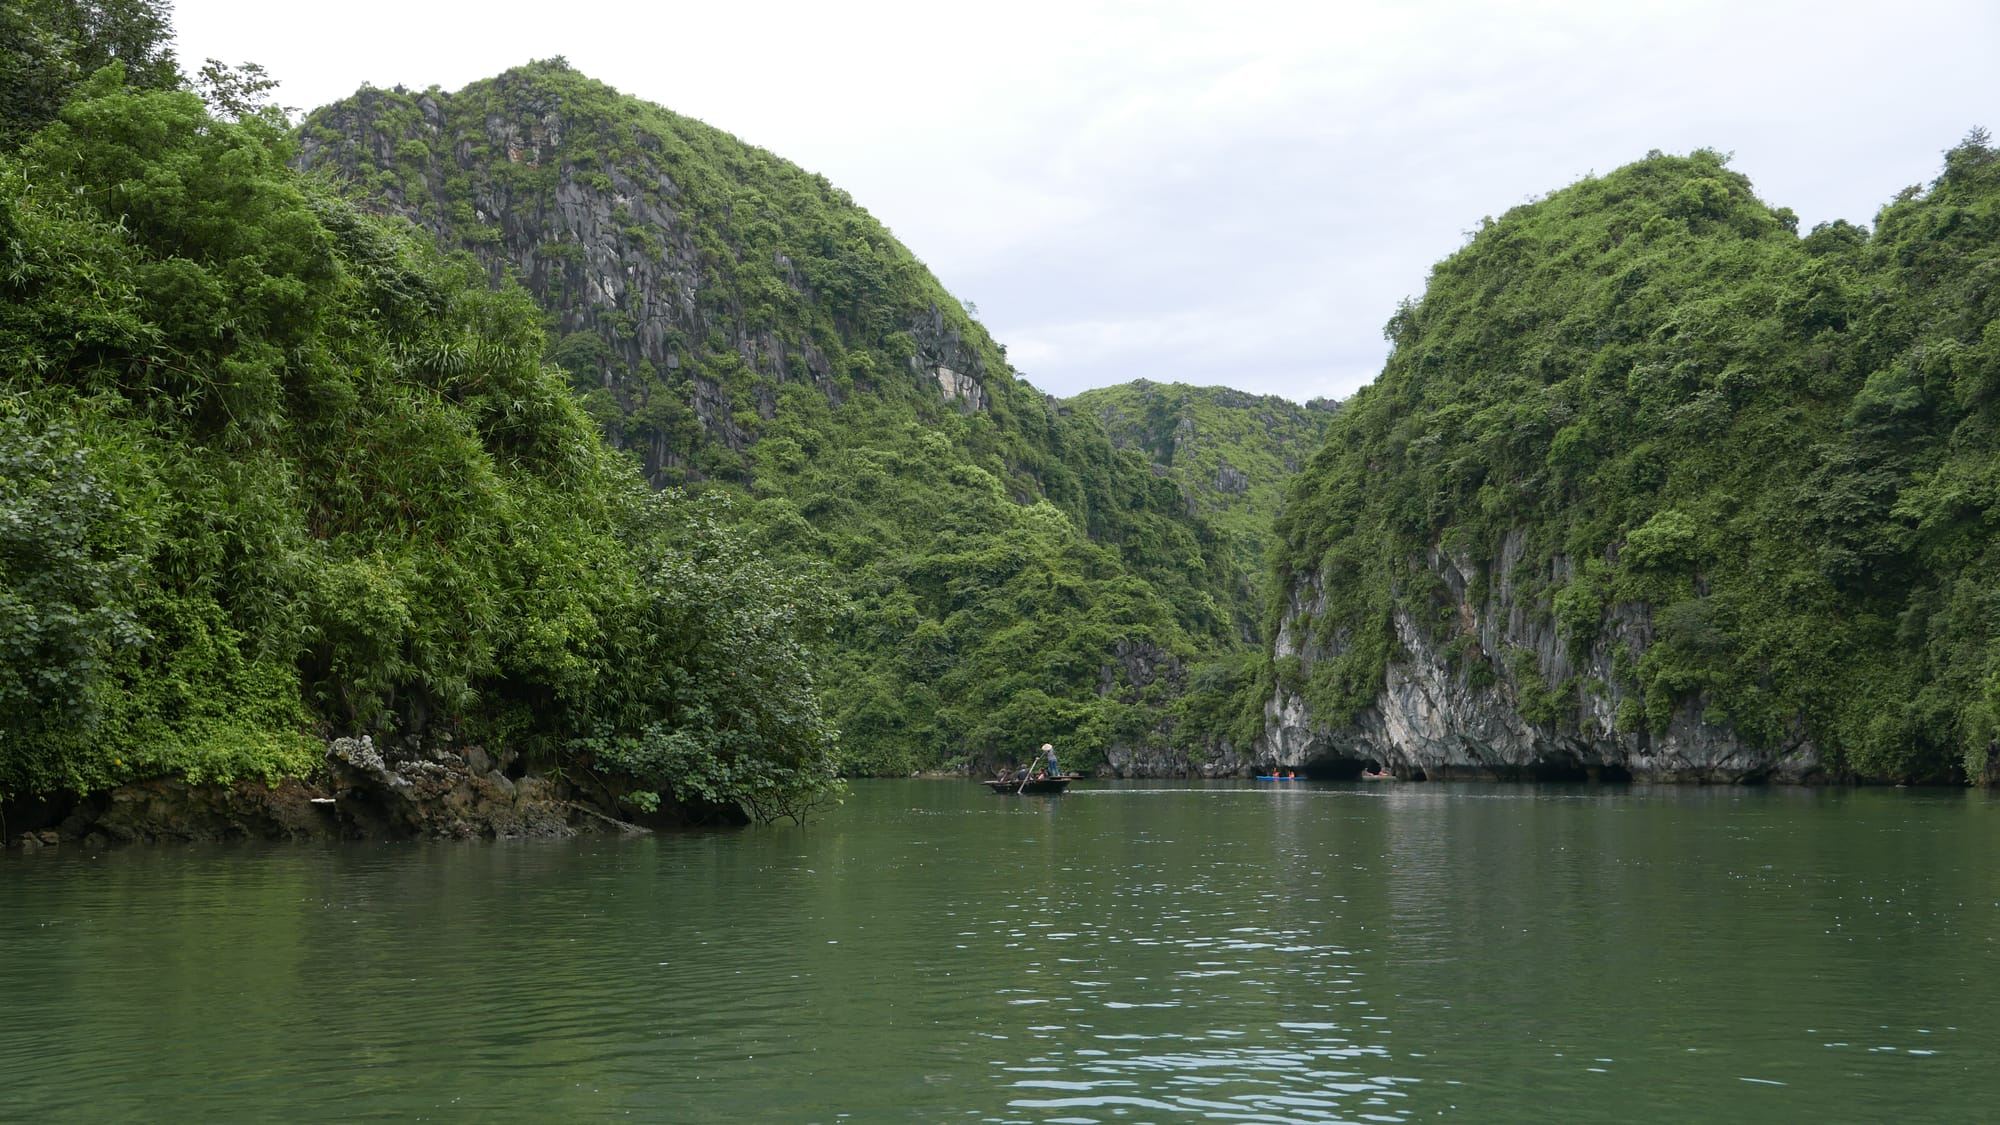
(1049, 752)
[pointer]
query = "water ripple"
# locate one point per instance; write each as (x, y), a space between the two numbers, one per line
(1198, 954)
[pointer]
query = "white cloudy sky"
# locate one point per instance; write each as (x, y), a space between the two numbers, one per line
(1225, 192)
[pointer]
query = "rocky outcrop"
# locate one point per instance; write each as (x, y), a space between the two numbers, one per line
(167, 809)
(653, 295)
(1444, 716)
(442, 794)
(1137, 666)
(409, 792)
(1156, 760)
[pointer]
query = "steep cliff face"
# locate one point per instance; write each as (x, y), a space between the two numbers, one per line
(1450, 711)
(1652, 486)
(687, 276)
(1007, 575)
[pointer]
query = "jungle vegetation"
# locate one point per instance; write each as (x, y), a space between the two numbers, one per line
(1231, 453)
(648, 450)
(1005, 573)
(1781, 447)
(272, 468)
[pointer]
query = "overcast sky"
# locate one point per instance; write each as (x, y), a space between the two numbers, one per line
(1233, 192)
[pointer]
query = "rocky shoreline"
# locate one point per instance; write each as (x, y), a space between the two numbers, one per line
(365, 792)
(407, 792)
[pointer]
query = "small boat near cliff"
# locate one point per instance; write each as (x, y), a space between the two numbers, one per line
(1055, 784)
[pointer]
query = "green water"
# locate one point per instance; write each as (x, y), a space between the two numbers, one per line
(931, 952)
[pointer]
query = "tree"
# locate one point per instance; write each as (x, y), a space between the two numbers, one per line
(238, 91)
(70, 552)
(48, 46)
(718, 655)
(272, 468)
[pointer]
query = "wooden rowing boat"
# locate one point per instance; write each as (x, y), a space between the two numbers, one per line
(1055, 784)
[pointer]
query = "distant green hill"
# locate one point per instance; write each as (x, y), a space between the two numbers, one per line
(1232, 453)
(739, 325)
(1653, 484)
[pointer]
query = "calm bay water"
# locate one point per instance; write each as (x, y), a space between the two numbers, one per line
(931, 952)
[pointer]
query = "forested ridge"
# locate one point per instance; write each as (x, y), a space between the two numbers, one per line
(272, 470)
(1751, 474)
(1230, 452)
(1007, 574)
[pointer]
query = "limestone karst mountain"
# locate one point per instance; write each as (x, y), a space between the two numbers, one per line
(739, 324)
(1653, 486)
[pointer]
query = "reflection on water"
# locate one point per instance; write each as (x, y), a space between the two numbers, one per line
(1121, 953)
(1099, 1044)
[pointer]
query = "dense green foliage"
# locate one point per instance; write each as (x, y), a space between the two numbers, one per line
(48, 47)
(272, 469)
(1783, 448)
(1231, 453)
(1008, 575)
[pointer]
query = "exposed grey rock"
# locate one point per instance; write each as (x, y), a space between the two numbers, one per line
(1432, 720)
(1123, 760)
(961, 389)
(608, 247)
(1135, 666)
(437, 794)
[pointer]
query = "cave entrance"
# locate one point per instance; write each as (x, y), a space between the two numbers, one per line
(1335, 769)
(1351, 769)
(1555, 770)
